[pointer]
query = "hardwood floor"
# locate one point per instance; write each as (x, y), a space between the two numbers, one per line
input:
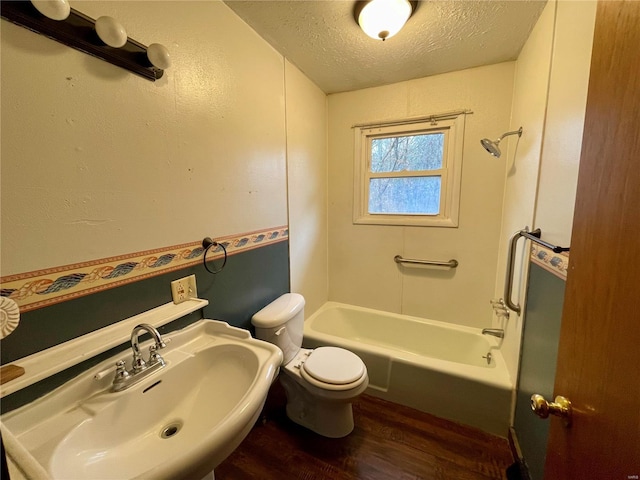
(389, 441)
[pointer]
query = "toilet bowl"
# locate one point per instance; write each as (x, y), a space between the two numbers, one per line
(320, 384)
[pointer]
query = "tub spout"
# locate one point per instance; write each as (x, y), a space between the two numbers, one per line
(496, 332)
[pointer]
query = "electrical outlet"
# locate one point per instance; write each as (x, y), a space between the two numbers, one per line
(184, 289)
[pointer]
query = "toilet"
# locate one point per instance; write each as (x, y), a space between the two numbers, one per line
(320, 383)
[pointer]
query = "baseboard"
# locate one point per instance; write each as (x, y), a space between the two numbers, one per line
(519, 470)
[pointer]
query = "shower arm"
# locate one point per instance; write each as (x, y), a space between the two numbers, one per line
(518, 132)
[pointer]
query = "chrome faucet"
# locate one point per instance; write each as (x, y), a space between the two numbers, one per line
(496, 332)
(154, 357)
(499, 308)
(139, 368)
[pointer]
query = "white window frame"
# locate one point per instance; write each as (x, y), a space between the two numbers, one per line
(450, 173)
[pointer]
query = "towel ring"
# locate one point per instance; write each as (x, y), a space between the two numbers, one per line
(207, 243)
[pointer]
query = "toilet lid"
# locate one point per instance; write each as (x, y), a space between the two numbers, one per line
(334, 365)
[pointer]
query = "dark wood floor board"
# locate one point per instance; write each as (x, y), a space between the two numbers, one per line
(428, 426)
(389, 441)
(426, 433)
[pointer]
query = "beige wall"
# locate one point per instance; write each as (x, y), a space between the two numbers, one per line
(521, 161)
(552, 75)
(307, 179)
(361, 266)
(562, 142)
(97, 161)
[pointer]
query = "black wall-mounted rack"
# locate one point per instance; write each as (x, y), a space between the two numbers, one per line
(78, 31)
(534, 236)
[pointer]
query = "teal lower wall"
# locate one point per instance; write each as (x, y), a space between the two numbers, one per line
(250, 280)
(541, 336)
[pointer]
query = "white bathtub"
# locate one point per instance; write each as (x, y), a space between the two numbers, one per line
(432, 366)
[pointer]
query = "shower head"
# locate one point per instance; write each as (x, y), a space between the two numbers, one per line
(493, 147)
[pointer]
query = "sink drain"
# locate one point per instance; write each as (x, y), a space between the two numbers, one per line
(171, 430)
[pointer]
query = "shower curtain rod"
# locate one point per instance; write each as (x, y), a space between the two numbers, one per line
(408, 121)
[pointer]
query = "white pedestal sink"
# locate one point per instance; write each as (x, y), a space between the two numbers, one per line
(179, 423)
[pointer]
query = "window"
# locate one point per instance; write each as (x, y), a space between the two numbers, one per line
(409, 174)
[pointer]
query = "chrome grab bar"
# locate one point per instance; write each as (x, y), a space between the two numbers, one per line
(508, 280)
(534, 236)
(453, 263)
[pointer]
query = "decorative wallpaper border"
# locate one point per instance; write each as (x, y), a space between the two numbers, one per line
(41, 288)
(556, 263)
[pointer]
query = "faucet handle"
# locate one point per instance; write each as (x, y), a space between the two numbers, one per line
(121, 372)
(138, 363)
(154, 356)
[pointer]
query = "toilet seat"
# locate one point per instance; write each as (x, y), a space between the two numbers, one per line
(333, 368)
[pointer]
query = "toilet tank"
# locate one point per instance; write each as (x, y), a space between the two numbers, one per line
(282, 323)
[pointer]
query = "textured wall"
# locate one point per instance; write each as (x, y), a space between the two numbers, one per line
(99, 162)
(307, 181)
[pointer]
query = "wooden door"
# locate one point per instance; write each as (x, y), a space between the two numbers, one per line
(599, 356)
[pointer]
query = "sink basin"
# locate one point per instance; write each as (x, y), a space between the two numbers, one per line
(179, 422)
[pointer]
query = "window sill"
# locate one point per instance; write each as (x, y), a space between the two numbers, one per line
(406, 221)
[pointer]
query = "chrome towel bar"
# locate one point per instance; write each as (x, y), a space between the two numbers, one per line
(453, 263)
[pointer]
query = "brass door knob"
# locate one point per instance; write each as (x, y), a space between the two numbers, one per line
(561, 407)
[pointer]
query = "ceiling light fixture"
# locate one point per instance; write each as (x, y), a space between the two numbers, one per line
(382, 19)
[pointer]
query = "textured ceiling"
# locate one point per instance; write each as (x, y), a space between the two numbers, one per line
(323, 40)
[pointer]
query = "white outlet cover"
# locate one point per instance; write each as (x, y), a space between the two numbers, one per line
(184, 289)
